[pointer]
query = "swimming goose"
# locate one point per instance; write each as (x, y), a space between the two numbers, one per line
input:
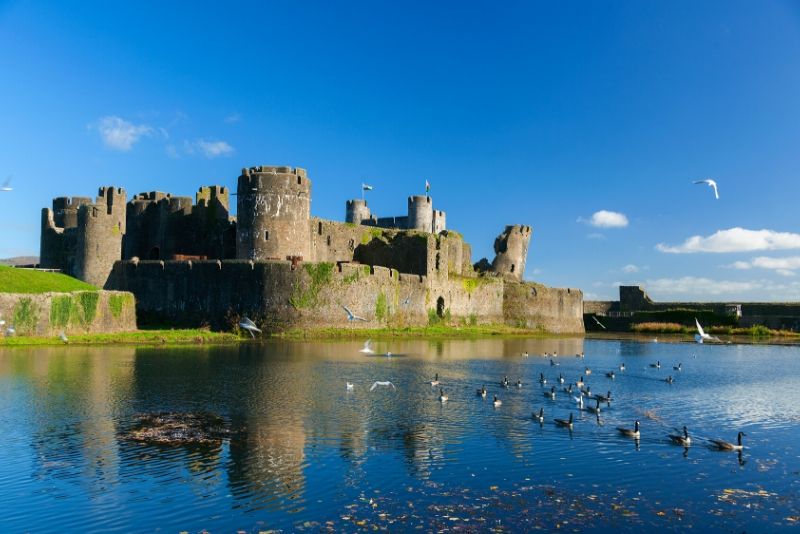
(497, 402)
(519, 382)
(587, 371)
(622, 367)
(482, 392)
(594, 409)
(579, 383)
(677, 367)
(681, 439)
(540, 416)
(656, 365)
(553, 363)
(579, 355)
(587, 391)
(564, 422)
(725, 446)
(568, 390)
(525, 354)
(435, 381)
(669, 379)
(604, 398)
(611, 375)
(551, 394)
(560, 378)
(442, 396)
(542, 379)
(630, 433)
(504, 383)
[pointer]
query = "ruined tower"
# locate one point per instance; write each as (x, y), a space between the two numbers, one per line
(511, 249)
(420, 213)
(57, 245)
(274, 208)
(99, 236)
(357, 211)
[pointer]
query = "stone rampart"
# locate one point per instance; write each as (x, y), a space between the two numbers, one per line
(554, 310)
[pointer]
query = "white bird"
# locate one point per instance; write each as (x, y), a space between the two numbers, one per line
(2, 322)
(367, 347)
(579, 400)
(63, 337)
(378, 383)
(350, 386)
(249, 326)
(701, 335)
(598, 322)
(710, 183)
(7, 185)
(10, 331)
(351, 316)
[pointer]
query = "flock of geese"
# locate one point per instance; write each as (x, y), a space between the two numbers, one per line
(585, 399)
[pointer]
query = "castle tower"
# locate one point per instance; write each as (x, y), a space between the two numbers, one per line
(357, 211)
(53, 248)
(439, 221)
(420, 213)
(273, 212)
(215, 200)
(511, 249)
(99, 236)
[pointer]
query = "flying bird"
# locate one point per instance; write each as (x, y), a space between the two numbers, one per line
(385, 384)
(63, 337)
(249, 326)
(351, 316)
(349, 386)
(701, 335)
(710, 183)
(7, 185)
(598, 322)
(367, 347)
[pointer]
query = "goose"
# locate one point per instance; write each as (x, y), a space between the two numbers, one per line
(560, 378)
(349, 386)
(435, 381)
(681, 439)
(568, 390)
(604, 398)
(630, 433)
(669, 379)
(442, 396)
(726, 446)
(587, 391)
(525, 354)
(564, 422)
(611, 375)
(579, 355)
(552, 363)
(656, 365)
(539, 417)
(579, 383)
(504, 383)
(482, 392)
(622, 367)
(551, 394)
(579, 400)
(677, 367)
(519, 382)
(587, 371)
(497, 402)
(542, 379)
(555, 354)
(594, 409)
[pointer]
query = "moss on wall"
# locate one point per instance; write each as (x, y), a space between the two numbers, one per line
(86, 306)
(320, 275)
(25, 316)
(60, 311)
(117, 303)
(381, 307)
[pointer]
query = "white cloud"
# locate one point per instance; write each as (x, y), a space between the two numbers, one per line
(785, 272)
(233, 118)
(691, 288)
(630, 268)
(606, 219)
(783, 266)
(736, 240)
(741, 265)
(210, 149)
(119, 134)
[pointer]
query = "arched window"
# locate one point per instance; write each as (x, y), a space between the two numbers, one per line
(440, 306)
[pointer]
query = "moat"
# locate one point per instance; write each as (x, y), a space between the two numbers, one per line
(267, 436)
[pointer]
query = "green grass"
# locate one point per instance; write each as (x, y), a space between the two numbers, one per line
(434, 331)
(321, 275)
(28, 281)
(677, 328)
(140, 337)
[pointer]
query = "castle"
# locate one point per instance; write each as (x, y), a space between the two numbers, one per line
(193, 263)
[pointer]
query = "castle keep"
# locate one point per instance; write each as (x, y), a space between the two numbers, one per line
(191, 263)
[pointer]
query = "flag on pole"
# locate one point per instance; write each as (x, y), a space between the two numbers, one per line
(427, 186)
(365, 187)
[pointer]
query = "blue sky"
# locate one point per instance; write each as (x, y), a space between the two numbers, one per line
(517, 112)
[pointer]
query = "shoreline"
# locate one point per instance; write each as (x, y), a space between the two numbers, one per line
(186, 337)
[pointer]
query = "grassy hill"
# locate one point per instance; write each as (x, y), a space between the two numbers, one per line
(27, 281)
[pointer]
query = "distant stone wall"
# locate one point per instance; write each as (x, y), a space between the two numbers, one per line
(80, 312)
(279, 295)
(599, 307)
(548, 309)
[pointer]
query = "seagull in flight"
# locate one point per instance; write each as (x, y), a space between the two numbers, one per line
(701, 335)
(250, 326)
(710, 183)
(351, 316)
(7, 185)
(367, 347)
(63, 337)
(598, 322)
(379, 383)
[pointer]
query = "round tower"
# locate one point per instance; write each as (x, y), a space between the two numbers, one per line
(274, 207)
(357, 211)
(511, 249)
(420, 213)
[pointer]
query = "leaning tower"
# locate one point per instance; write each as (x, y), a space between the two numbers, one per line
(273, 212)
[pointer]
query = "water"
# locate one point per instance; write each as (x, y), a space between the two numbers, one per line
(305, 454)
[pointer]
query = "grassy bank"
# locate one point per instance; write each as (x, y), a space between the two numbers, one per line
(676, 328)
(141, 337)
(29, 281)
(433, 331)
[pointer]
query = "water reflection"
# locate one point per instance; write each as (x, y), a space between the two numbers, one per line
(303, 448)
